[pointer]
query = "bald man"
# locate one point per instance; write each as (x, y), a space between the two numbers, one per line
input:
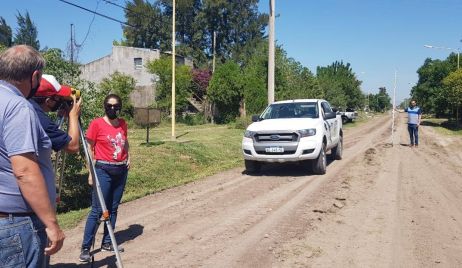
(29, 229)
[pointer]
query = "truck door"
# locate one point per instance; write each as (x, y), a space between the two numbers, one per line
(331, 123)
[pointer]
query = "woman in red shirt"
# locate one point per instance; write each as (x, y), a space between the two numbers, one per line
(107, 138)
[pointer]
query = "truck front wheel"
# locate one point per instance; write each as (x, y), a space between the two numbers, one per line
(252, 166)
(337, 151)
(320, 163)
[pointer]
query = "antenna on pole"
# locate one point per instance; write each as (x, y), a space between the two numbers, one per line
(271, 53)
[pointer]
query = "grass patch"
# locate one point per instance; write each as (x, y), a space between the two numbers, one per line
(198, 152)
(360, 120)
(444, 126)
(72, 218)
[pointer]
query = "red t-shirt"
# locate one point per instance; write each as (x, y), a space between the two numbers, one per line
(109, 140)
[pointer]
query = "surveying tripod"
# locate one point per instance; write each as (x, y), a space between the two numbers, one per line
(61, 156)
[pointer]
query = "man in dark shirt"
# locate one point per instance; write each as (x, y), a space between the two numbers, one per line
(49, 98)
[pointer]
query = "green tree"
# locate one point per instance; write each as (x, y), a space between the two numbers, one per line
(379, 102)
(453, 90)
(6, 35)
(236, 23)
(189, 34)
(254, 80)
(226, 91)
(122, 85)
(163, 69)
(150, 27)
(27, 32)
(429, 91)
(294, 81)
(65, 71)
(340, 85)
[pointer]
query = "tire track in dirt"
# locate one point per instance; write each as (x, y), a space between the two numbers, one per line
(313, 246)
(259, 240)
(431, 217)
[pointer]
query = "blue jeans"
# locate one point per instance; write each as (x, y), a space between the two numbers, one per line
(112, 181)
(413, 133)
(22, 242)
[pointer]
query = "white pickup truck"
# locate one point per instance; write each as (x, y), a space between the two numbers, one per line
(348, 115)
(294, 130)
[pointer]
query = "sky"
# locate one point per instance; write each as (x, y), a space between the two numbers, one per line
(377, 37)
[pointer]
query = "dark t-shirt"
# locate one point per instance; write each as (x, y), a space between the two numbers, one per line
(59, 139)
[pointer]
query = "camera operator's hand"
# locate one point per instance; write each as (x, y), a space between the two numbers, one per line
(75, 109)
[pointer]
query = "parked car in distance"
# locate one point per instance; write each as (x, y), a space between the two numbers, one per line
(348, 115)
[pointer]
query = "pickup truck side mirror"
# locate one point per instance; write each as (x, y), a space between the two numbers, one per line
(330, 115)
(255, 118)
(335, 110)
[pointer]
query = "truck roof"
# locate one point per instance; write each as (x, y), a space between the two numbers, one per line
(298, 100)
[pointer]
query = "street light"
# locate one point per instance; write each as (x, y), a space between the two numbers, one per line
(448, 48)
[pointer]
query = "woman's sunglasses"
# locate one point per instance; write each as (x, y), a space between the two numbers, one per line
(113, 106)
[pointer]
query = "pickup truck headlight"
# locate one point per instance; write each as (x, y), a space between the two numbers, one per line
(307, 132)
(249, 134)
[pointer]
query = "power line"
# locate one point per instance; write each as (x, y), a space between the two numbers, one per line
(96, 13)
(89, 27)
(117, 5)
(126, 9)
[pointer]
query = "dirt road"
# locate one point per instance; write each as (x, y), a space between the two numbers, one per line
(381, 206)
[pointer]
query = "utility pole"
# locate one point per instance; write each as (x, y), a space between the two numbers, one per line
(393, 111)
(72, 43)
(211, 106)
(271, 53)
(214, 50)
(173, 71)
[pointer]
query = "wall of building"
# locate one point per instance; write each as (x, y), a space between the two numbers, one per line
(122, 59)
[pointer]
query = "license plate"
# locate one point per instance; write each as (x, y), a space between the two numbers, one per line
(274, 150)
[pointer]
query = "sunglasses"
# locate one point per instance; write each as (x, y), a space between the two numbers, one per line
(113, 106)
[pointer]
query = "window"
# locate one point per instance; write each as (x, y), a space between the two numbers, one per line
(291, 110)
(325, 108)
(138, 63)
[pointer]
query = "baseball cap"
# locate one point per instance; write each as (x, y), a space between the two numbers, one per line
(49, 86)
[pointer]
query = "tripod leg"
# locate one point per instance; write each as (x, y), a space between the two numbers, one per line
(61, 176)
(60, 159)
(93, 243)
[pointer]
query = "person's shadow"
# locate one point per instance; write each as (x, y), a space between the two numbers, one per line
(122, 236)
(129, 234)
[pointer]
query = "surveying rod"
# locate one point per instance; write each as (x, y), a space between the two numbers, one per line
(96, 185)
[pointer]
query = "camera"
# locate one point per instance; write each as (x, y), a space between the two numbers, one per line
(74, 92)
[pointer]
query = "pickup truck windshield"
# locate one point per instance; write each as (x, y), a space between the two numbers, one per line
(291, 110)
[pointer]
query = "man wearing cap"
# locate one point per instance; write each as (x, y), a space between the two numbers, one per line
(49, 98)
(28, 224)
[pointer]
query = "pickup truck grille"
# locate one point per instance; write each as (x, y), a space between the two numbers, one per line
(283, 153)
(276, 137)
